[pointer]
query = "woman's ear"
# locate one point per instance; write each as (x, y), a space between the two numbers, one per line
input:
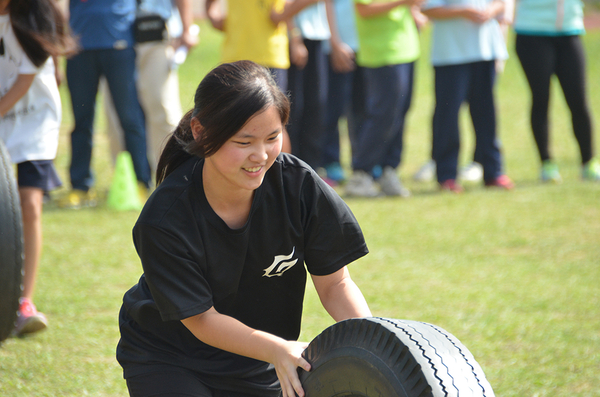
(196, 128)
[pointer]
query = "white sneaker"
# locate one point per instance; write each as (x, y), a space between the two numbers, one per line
(361, 184)
(472, 172)
(426, 173)
(390, 183)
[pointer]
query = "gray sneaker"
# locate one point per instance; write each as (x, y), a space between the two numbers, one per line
(361, 184)
(426, 173)
(390, 183)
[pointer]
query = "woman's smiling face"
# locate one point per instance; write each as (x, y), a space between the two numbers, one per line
(241, 163)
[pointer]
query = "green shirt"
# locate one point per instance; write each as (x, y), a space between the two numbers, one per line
(387, 39)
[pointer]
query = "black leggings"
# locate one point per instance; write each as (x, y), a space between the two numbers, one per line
(563, 56)
(176, 383)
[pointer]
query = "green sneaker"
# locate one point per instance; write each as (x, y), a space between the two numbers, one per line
(550, 172)
(590, 171)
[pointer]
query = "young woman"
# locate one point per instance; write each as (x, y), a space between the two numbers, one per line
(548, 42)
(31, 33)
(225, 241)
(467, 42)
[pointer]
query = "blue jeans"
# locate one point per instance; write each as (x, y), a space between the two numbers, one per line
(388, 93)
(83, 74)
(455, 84)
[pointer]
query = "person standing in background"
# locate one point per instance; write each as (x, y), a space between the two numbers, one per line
(388, 48)
(32, 33)
(342, 48)
(105, 33)
(467, 42)
(549, 43)
(307, 79)
(157, 81)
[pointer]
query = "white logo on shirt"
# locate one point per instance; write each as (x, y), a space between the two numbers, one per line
(280, 265)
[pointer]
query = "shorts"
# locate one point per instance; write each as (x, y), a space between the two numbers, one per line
(40, 174)
(174, 382)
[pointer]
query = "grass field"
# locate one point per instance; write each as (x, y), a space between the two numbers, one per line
(514, 275)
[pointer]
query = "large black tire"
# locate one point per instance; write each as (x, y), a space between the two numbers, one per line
(11, 246)
(379, 357)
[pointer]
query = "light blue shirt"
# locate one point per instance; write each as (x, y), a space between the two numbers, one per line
(346, 24)
(549, 17)
(312, 22)
(167, 10)
(458, 40)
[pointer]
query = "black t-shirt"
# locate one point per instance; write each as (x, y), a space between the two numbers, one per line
(192, 261)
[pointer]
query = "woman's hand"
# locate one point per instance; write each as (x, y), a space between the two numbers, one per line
(298, 52)
(342, 58)
(287, 357)
(227, 333)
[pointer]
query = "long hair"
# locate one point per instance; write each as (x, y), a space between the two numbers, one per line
(225, 100)
(41, 29)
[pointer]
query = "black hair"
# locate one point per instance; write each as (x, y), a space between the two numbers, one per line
(226, 98)
(41, 29)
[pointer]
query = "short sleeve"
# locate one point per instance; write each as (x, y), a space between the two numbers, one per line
(26, 66)
(333, 237)
(174, 271)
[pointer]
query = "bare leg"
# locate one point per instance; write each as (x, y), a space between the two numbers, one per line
(31, 206)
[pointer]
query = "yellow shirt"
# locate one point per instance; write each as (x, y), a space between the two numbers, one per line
(250, 34)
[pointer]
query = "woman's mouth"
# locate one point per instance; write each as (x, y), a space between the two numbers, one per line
(253, 169)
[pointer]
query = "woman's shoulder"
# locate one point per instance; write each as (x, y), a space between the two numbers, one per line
(293, 168)
(298, 178)
(173, 195)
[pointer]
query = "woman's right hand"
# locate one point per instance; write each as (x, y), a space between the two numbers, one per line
(298, 52)
(227, 333)
(287, 357)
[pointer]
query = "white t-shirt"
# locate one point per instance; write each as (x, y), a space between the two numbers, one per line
(30, 129)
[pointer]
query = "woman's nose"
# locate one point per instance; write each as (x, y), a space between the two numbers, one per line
(260, 153)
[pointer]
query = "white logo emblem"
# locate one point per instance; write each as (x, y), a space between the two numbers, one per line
(280, 265)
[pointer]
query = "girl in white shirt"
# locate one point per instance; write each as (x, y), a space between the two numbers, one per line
(31, 33)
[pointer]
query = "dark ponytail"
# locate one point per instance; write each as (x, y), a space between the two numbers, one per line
(225, 100)
(41, 29)
(173, 155)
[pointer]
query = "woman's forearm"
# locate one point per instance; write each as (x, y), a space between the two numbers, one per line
(227, 333)
(15, 93)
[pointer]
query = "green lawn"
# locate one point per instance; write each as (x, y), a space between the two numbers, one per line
(514, 275)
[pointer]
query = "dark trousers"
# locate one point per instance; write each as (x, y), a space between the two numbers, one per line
(454, 85)
(338, 105)
(281, 78)
(175, 382)
(378, 140)
(308, 91)
(563, 56)
(83, 74)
